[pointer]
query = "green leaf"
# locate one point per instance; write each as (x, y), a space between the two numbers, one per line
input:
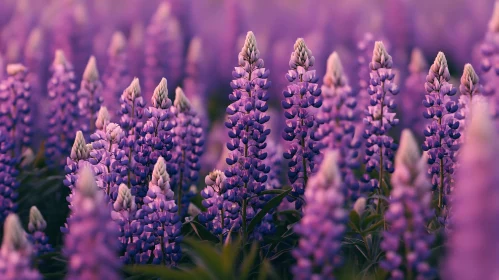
(248, 262)
(273, 203)
(197, 200)
(208, 256)
(375, 226)
(278, 191)
(354, 221)
(369, 219)
(229, 253)
(202, 232)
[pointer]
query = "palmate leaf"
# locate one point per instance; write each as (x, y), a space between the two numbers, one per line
(273, 203)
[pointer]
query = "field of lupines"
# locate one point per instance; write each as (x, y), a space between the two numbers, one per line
(149, 139)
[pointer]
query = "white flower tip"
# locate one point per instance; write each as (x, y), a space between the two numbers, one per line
(334, 67)
(469, 75)
(159, 172)
(302, 55)
(163, 11)
(114, 132)
(91, 72)
(103, 118)
(181, 101)
(86, 183)
(418, 62)
(118, 43)
(160, 93)
(250, 50)
(329, 167)
(494, 20)
(408, 152)
(79, 150)
(380, 54)
(193, 210)
(28, 157)
(194, 52)
(60, 59)
(13, 69)
(36, 220)
(441, 60)
(34, 43)
(133, 90)
(14, 236)
(125, 199)
(360, 205)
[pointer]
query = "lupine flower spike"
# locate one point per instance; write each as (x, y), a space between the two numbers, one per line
(92, 242)
(408, 214)
(89, 97)
(380, 117)
(414, 93)
(441, 134)
(36, 227)
(473, 249)
(246, 173)
(8, 173)
(218, 208)
(16, 252)
(322, 227)
(338, 117)
(301, 97)
(103, 119)
(470, 90)
(188, 144)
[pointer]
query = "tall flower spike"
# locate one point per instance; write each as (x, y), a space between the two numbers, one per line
(116, 75)
(16, 252)
(415, 93)
(188, 145)
(408, 214)
(8, 173)
(301, 97)
(63, 113)
(15, 111)
(91, 244)
(195, 81)
(338, 117)
(380, 116)
(470, 90)
(164, 52)
(89, 96)
(441, 134)
(246, 121)
(103, 118)
(472, 245)
(162, 222)
(217, 216)
(322, 227)
(36, 226)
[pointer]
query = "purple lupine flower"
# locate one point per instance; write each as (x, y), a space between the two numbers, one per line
(188, 144)
(156, 136)
(116, 77)
(36, 226)
(109, 160)
(300, 98)
(441, 134)
(89, 96)
(164, 50)
(364, 48)
(408, 214)
(380, 116)
(415, 93)
(246, 173)
(8, 173)
(132, 111)
(194, 81)
(338, 117)
(322, 227)
(124, 214)
(217, 216)
(470, 91)
(103, 119)
(472, 247)
(162, 224)
(16, 252)
(15, 111)
(63, 111)
(92, 242)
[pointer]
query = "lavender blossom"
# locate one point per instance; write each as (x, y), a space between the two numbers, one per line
(188, 142)
(116, 76)
(37, 237)
(246, 173)
(91, 244)
(15, 113)
(472, 247)
(8, 173)
(408, 214)
(16, 252)
(338, 117)
(442, 133)
(164, 50)
(322, 227)
(380, 115)
(414, 93)
(163, 225)
(300, 98)
(89, 96)
(124, 214)
(63, 111)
